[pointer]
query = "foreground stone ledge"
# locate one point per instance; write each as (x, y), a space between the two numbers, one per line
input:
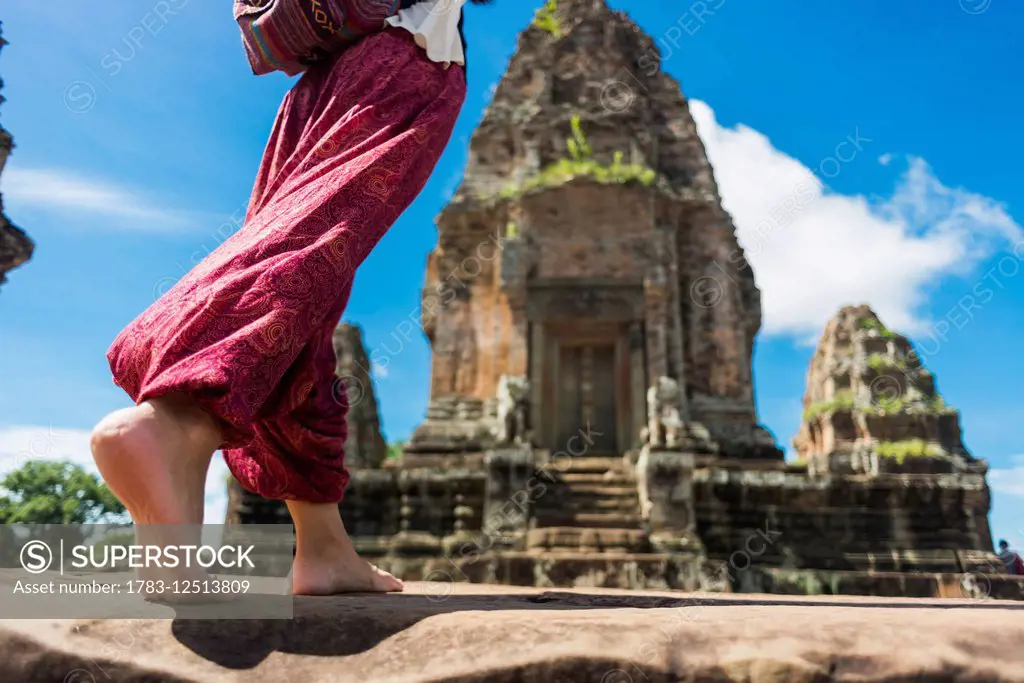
(463, 632)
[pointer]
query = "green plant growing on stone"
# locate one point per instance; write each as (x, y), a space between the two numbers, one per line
(878, 361)
(909, 448)
(577, 144)
(891, 406)
(581, 163)
(511, 229)
(843, 400)
(395, 450)
(546, 19)
(875, 324)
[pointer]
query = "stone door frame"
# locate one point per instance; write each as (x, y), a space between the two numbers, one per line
(587, 310)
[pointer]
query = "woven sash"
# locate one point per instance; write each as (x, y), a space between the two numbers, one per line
(291, 35)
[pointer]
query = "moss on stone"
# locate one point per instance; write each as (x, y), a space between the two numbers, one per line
(933, 405)
(581, 163)
(564, 170)
(876, 324)
(878, 361)
(910, 448)
(843, 400)
(546, 19)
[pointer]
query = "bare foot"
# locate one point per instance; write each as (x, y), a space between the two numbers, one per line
(326, 576)
(154, 457)
(326, 562)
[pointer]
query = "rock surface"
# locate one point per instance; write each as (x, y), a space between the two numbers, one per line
(460, 632)
(15, 246)
(871, 405)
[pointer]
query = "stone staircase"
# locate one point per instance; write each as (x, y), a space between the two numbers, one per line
(592, 507)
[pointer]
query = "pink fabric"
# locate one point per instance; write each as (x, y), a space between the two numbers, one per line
(248, 332)
(288, 35)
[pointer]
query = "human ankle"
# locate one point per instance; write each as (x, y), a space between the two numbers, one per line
(318, 527)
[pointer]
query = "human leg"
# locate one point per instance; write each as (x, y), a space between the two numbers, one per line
(155, 456)
(326, 562)
(234, 335)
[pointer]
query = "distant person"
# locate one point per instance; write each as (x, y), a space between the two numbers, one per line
(238, 355)
(1012, 560)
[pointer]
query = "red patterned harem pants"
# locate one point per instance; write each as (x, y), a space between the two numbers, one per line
(247, 334)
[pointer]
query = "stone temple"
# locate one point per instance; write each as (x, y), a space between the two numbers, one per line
(591, 419)
(15, 246)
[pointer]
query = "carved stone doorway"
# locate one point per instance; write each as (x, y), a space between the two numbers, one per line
(585, 399)
(586, 365)
(585, 378)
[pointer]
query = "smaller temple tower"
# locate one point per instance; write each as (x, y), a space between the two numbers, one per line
(365, 447)
(872, 407)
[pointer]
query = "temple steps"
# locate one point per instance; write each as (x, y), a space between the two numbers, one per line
(615, 503)
(592, 540)
(595, 494)
(610, 478)
(596, 465)
(593, 490)
(591, 519)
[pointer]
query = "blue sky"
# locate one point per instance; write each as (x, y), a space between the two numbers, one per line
(138, 140)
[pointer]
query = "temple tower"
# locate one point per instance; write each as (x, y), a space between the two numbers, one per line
(586, 257)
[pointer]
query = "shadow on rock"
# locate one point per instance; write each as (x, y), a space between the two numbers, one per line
(353, 624)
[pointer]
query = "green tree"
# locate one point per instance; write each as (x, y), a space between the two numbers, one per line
(395, 450)
(44, 492)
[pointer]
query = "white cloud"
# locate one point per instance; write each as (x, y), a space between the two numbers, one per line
(814, 250)
(20, 444)
(1008, 480)
(61, 191)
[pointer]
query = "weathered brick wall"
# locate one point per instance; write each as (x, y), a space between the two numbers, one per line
(465, 314)
(588, 230)
(842, 522)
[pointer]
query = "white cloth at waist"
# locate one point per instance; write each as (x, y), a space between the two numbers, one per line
(435, 27)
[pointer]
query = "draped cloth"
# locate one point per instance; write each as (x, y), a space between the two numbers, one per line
(247, 334)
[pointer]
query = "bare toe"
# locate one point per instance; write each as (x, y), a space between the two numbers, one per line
(385, 582)
(342, 573)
